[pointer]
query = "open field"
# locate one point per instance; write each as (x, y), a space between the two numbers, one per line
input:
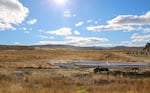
(27, 71)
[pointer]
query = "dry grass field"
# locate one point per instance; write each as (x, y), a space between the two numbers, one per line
(27, 71)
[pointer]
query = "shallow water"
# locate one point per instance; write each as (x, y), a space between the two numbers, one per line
(82, 63)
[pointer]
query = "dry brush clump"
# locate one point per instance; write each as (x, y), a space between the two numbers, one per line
(31, 84)
(119, 85)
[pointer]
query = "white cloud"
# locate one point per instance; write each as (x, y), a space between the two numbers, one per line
(131, 19)
(6, 26)
(68, 14)
(12, 12)
(110, 28)
(79, 24)
(124, 22)
(46, 37)
(17, 43)
(140, 38)
(146, 30)
(51, 37)
(25, 29)
(61, 31)
(137, 40)
(74, 15)
(104, 45)
(32, 21)
(131, 44)
(52, 42)
(76, 32)
(77, 41)
(85, 40)
(89, 21)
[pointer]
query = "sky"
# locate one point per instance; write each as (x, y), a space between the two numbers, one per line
(75, 22)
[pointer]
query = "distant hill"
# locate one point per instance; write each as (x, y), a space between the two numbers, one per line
(67, 46)
(18, 47)
(87, 48)
(54, 46)
(125, 47)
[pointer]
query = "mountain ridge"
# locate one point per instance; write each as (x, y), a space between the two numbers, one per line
(31, 47)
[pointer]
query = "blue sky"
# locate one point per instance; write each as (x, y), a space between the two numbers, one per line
(75, 22)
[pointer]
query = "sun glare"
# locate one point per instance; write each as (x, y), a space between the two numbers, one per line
(60, 1)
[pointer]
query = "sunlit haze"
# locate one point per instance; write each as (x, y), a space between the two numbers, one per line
(60, 1)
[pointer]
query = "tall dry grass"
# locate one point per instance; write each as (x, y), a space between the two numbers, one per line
(79, 83)
(47, 80)
(61, 54)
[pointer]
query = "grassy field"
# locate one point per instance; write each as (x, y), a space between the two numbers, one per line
(27, 71)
